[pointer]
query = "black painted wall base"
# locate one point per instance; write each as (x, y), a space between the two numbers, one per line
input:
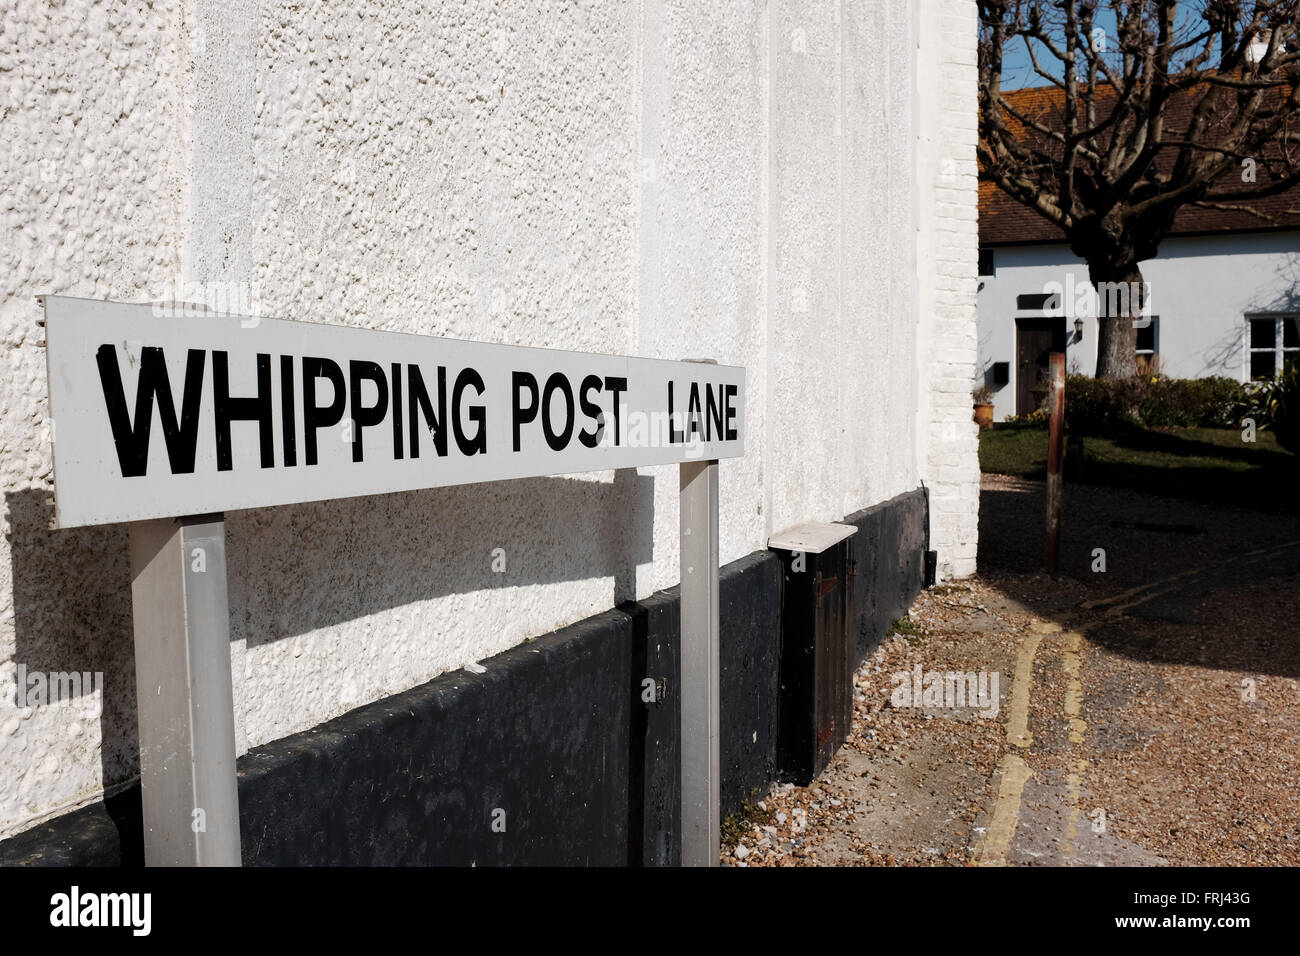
(554, 755)
(888, 555)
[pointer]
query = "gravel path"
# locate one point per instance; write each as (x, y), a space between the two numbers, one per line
(1160, 711)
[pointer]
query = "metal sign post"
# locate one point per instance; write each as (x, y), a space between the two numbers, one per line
(700, 659)
(183, 692)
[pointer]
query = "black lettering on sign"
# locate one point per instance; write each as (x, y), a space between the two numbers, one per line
(132, 436)
(397, 411)
(477, 414)
(286, 410)
(674, 436)
(710, 413)
(314, 416)
(730, 392)
(713, 402)
(693, 412)
(558, 382)
(363, 417)
(615, 387)
(420, 405)
(712, 416)
(521, 415)
(256, 409)
(591, 410)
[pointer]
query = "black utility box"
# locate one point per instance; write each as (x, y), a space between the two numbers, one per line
(816, 682)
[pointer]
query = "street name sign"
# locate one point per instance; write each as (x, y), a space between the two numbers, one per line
(159, 412)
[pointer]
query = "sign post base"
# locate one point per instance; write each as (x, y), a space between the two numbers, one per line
(183, 692)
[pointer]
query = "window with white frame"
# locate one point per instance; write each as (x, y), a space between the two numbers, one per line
(1272, 344)
(1147, 352)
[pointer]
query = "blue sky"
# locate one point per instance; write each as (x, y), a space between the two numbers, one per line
(1018, 72)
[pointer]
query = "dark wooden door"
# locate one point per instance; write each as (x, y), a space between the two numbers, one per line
(1036, 340)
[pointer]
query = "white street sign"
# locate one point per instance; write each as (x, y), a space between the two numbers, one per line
(158, 414)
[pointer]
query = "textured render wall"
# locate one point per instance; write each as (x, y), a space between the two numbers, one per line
(1201, 287)
(879, 217)
(671, 179)
(804, 248)
(91, 162)
(701, 286)
(841, 227)
(448, 169)
(947, 339)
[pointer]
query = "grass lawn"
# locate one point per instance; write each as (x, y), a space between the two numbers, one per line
(1209, 464)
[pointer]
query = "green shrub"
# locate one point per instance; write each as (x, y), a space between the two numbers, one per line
(1257, 397)
(1215, 402)
(1168, 403)
(1283, 404)
(1225, 401)
(1094, 406)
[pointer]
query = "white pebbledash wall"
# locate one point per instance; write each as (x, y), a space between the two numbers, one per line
(784, 186)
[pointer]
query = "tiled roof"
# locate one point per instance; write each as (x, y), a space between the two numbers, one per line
(1003, 220)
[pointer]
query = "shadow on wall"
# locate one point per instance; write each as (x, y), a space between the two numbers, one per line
(299, 568)
(72, 613)
(1288, 279)
(1225, 356)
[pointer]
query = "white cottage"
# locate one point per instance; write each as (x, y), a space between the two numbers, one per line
(1222, 297)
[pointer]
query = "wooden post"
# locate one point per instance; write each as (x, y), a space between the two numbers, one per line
(1055, 455)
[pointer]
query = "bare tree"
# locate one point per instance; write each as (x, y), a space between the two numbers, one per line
(1155, 108)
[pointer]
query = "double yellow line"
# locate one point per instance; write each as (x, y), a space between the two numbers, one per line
(1014, 772)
